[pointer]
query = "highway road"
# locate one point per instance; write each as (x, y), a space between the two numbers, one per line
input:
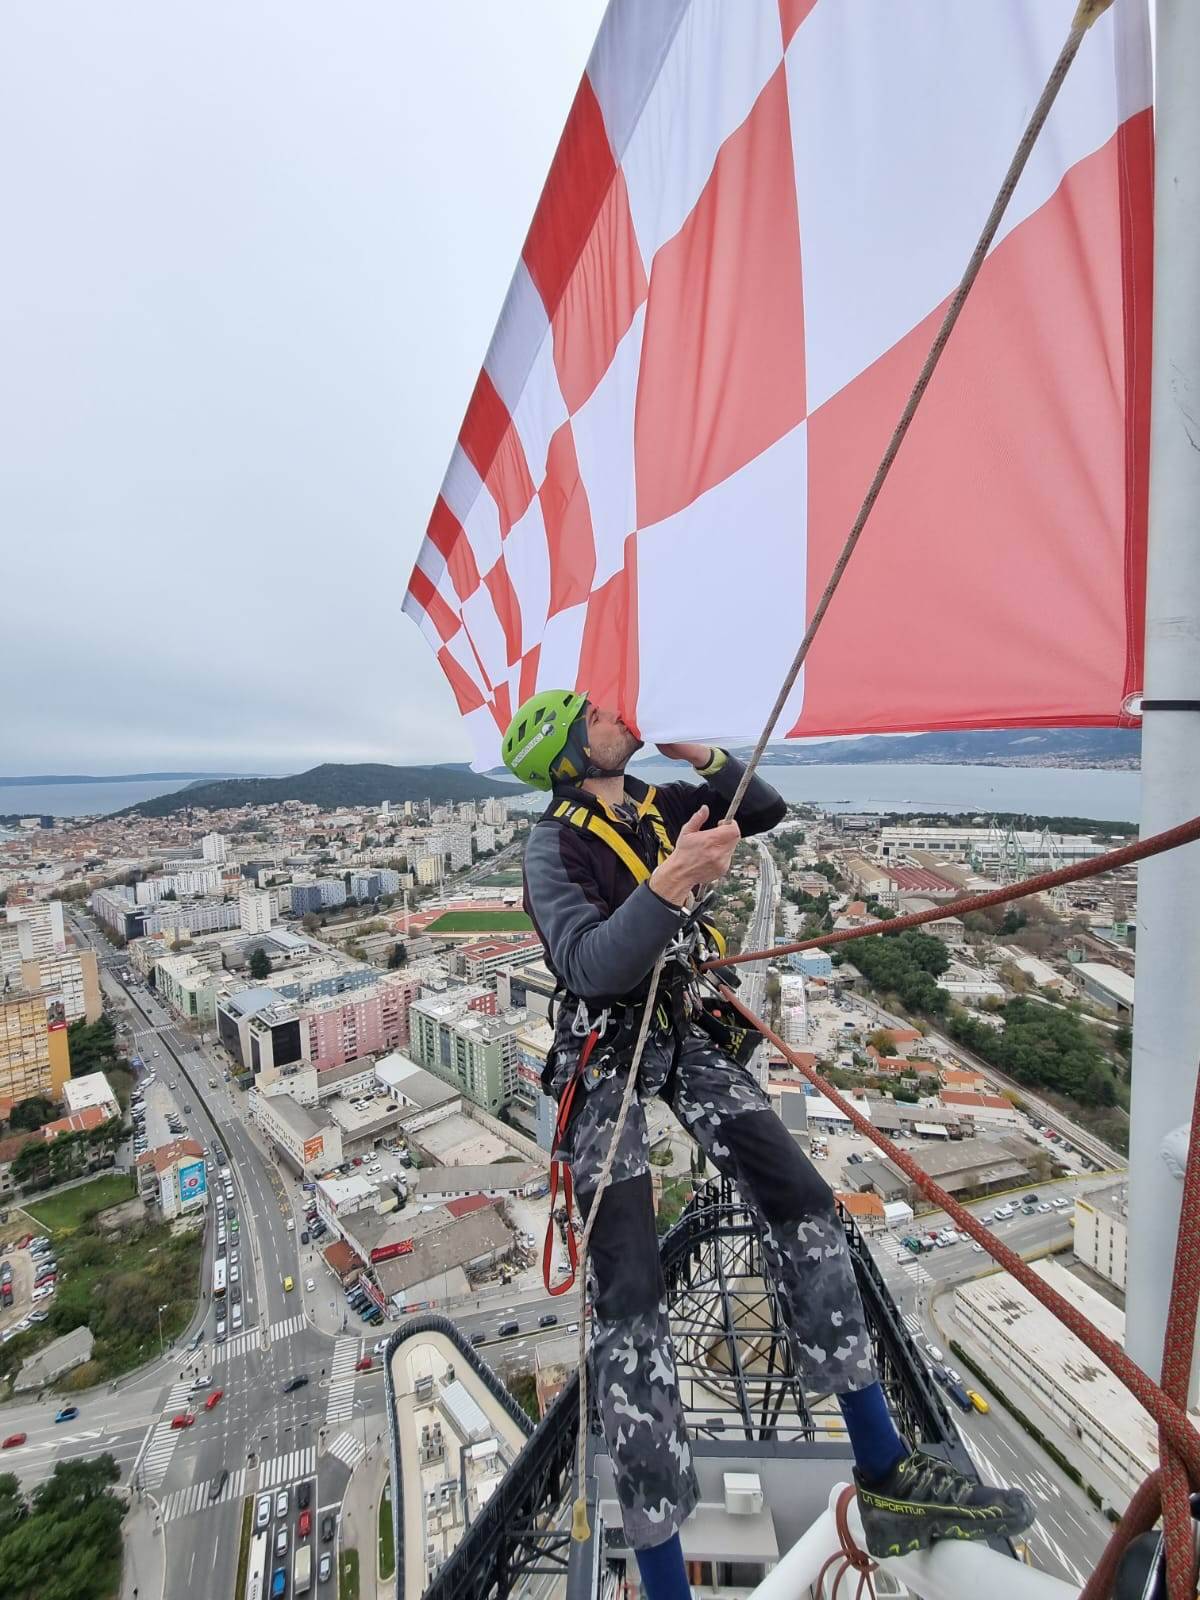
(1069, 1531)
(264, 1438)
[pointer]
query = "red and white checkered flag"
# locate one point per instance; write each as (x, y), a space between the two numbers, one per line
(752, 224)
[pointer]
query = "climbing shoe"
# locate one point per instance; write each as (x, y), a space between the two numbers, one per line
(922, 1500)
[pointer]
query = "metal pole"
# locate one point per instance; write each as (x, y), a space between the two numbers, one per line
(1167, 1017)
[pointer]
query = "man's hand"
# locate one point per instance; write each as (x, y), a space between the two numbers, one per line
(700, 856)
(698, 754)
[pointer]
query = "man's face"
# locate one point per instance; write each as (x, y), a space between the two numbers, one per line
(610, 741)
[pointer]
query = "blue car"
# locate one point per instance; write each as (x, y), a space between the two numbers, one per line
(67, 1414)
(279, 1583)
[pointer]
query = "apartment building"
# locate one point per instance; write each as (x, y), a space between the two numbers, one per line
(1102, 1233)
(34, 1055)
(452, 1036)
(70, 975)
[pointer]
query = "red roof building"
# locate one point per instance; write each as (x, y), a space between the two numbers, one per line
(78, 1122)
(468, 1203)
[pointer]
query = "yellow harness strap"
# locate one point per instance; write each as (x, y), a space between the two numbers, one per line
(590, 822)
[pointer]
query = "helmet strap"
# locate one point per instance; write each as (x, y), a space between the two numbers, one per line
(575, 764)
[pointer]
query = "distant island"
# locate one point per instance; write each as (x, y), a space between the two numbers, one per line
(1114, 748)
(332, 784)
(48, 778)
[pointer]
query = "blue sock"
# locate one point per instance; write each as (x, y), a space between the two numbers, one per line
(873, 1438)
(664, 1576)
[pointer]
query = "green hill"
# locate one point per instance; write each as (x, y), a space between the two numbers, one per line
(361, 784)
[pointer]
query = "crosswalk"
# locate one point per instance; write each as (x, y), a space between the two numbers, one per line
(285, 1329)
(911, 1323)
(348, 1447)
(908, 1263)
(340, 1404)
(238, 1345)
(164, 1438)
(195, 1497)
(287, 1468)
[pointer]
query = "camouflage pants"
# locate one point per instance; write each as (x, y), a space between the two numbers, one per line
(632, 1362)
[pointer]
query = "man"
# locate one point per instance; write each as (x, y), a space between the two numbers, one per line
(609, 872)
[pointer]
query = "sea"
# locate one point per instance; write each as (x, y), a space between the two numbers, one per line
(81, 799)
(1108, 796)
(1099, 793)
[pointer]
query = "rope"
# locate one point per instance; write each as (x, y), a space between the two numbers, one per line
(1086, 14)
(1166, 1410)
(580, 1529)
(1179, 1342)
(1168, 839)
(848, 1558)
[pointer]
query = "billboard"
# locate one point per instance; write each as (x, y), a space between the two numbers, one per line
(56, 1012)
(193, 1183)
(387, 1252)
(314, 1148)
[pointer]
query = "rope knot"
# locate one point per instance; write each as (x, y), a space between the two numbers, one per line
(849, 1558)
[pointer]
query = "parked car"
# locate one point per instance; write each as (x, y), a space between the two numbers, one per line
(304, 1236)
(310, 1284)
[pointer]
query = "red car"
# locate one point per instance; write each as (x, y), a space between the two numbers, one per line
(13, 1440)
(304, 1526)
(213, 1398)
(24, 1242)
(364, 1365)
(183, 1420)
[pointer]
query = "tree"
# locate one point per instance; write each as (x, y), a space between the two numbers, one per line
(68, 1546)
(31, 1114)
(882, 1041)
(310, 922)
(260, 964)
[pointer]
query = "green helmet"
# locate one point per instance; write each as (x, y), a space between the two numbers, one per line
(538, 733)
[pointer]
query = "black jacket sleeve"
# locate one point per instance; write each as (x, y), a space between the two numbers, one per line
(761, 809)
(598, 955)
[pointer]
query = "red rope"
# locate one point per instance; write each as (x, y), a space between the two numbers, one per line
(848, 1558)
(1169, 839)
(1178, 1345)
(1166, 1410)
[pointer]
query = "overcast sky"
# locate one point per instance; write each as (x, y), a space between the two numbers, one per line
(253, 254)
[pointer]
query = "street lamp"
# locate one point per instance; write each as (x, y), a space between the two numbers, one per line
(161, 1346)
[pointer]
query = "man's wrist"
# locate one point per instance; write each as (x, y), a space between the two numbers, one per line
(713, 762)
(666, 885)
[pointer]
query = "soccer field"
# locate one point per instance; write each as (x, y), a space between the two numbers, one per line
(481, 922)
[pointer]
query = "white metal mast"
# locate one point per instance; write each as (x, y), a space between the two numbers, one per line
(1167, 1015)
